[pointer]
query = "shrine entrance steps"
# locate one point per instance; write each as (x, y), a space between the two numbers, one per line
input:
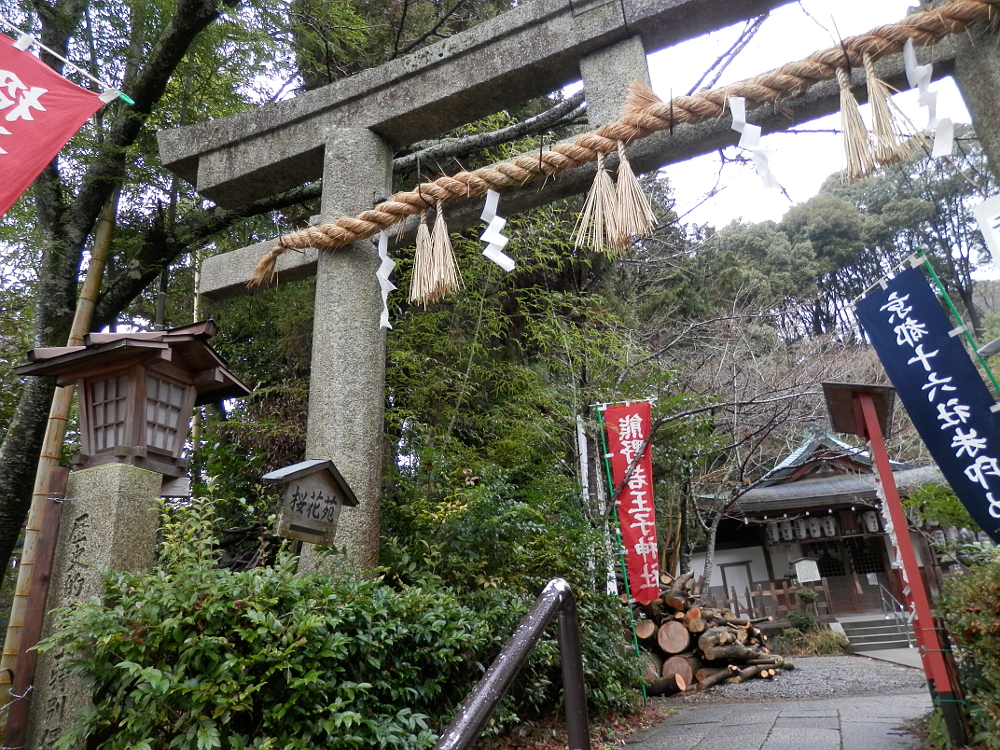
(876, 632)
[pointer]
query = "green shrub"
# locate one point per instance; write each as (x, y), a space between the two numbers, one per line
(803, 620)
(499, 542)
(818, 642)
(807, 596)
(190, 656)
(970, 606)
(824, 642)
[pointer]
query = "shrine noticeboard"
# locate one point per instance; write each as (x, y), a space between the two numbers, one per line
(312, 497)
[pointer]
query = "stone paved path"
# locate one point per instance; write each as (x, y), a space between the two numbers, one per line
(867, 723)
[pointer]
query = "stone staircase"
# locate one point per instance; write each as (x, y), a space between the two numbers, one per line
(876, 632)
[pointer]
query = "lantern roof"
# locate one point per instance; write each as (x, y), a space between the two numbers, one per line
(184, 348)
(312, 466)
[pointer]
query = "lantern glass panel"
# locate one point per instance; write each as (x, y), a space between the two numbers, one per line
(108, 400)
(164, 402)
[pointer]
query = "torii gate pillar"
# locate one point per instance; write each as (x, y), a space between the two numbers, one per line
(347, 380)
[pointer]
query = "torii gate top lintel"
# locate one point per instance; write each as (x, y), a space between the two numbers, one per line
(528, 51)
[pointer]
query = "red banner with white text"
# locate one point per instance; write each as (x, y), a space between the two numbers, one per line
(39, 111)
(627, 427)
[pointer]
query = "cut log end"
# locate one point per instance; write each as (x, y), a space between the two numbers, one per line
(673, 637)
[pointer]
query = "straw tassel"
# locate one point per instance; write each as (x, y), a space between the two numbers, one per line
(857, 145)
(635, 217)
(422, 282)
(892, 131)
(597, 226)
(445, 269)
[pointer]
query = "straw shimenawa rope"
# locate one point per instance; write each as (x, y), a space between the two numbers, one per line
(644, 114)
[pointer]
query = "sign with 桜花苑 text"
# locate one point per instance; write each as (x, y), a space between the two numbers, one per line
(940, 388)
(39, 111)
(627, 427)
(313, 493)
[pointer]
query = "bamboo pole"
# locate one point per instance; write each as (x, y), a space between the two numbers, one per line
(18, 710)
(55, 432)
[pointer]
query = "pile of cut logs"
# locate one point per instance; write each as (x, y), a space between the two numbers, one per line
(686, 646)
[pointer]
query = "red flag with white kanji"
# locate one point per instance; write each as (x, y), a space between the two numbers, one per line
(39, 111)
(627, 427)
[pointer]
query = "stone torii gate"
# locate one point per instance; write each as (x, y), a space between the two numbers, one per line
(345, 132)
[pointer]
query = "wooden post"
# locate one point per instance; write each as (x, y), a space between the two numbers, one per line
(34, 617)
(826, 598)
(945, 693)
(55, 431)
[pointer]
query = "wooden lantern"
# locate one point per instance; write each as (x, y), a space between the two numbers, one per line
(137, 391)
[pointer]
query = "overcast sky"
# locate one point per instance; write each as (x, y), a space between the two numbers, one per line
(800, 162)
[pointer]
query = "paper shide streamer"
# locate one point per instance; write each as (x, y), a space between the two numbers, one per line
(919, 77)
(495, 241)
(750, 140)
(382, 274)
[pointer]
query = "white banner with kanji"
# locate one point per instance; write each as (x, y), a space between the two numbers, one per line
(39, 111)
(627, 427)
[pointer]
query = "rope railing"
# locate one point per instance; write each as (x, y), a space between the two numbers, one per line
(643, 115)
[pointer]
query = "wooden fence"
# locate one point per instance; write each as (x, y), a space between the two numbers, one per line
(774, 600)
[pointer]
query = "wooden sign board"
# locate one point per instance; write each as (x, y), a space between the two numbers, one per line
(313, 492)
(310, 509)
(806, 570)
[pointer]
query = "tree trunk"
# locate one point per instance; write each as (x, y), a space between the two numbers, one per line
(705, 672)
(733, 651)
(697, 626)
(745, 674)
(18, 457)
(666, 685)
(713, 533)
(715, 637)
(714, 679)
(652, 666)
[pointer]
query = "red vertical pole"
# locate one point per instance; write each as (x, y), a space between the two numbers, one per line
(931, 650)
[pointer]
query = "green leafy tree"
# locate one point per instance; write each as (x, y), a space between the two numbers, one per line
(939, 506)
(924, 204)
(970, 607)
(174, 59)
